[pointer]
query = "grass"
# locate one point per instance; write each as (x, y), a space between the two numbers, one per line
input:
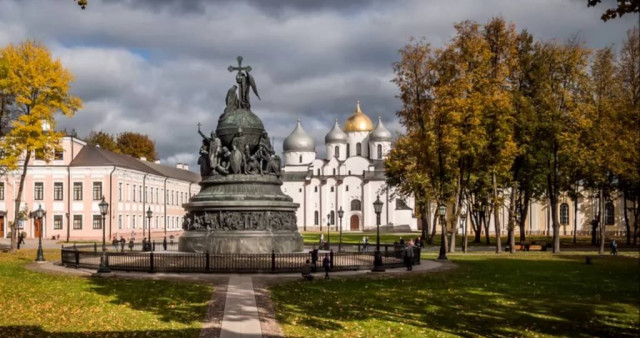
(39, 304)
(524, 294)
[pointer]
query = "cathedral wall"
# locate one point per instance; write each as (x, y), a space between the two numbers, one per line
(373, 149)
(355, 137)
(295, 157)
(342, 151)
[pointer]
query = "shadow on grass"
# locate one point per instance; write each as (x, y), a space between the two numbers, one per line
(37, 331)
(488, 296)
(169, 301)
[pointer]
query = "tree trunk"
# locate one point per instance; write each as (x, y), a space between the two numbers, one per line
(512, 218)
(14, 226)
(485, 224)
(496, 214)
(603, 216)
(434, 227)
(424, 219)
(636, 220)
(524, 211)
(575, 219)
(626, 217)
(475, 225)
(456, 216)
(552, 186)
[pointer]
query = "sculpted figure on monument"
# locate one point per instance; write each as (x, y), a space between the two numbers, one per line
(224, 159)
(245, 81)
(203, 160)
(273, 165)
(232, 102)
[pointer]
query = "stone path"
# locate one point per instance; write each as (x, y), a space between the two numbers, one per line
(240, 312)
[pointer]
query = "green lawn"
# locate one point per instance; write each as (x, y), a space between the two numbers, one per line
(525, 294)
(39, 304)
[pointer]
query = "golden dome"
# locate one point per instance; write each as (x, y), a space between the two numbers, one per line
(358, 121)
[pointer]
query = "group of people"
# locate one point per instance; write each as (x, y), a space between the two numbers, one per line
(120, 243)
(308, 268)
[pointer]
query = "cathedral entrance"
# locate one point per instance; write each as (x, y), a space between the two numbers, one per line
(355, 223)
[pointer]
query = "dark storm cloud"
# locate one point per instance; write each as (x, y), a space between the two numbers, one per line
(160, 66)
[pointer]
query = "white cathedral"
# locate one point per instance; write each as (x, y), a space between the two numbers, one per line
(350, 178)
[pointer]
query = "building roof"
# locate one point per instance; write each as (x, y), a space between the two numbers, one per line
(336, 135)
(358, 121)
(299, 140)
(380, 134)
(90, 156)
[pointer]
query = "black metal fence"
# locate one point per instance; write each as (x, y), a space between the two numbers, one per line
(88, 256)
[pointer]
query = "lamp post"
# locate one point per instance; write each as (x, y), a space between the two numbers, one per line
(442, 210)
(464, 235)
(103, 268)
(328, 231)
(340, 214)
(149, 215)
(39, 216)
(377, 259)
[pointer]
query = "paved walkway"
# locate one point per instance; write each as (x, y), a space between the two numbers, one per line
(240, 312)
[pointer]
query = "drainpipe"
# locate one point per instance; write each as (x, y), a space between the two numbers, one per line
(69, 194)
(165, 204)
(144, 200)
(111, 199)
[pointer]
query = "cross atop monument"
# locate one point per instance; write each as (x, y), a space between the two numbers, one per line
(239, 68)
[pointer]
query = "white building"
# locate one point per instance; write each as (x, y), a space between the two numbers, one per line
(350, 177)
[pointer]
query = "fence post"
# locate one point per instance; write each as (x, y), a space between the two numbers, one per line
(331, 259)
(151, 261)
(153, 248)
(273, 260)
(77, 257)
(95, 247)
(208, 266)
(62, 254)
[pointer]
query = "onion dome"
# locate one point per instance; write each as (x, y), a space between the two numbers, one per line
(336, 135)
(380, 134)
(299, 140)
(358, 121)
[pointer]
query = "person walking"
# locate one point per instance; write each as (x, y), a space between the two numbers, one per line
(114, 242)
(164, 243)
(408, 257)
(614, 248)
(326, 264)
(123, 242)
(131, 243)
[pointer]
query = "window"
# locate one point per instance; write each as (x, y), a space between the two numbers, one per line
(38, 191)
(358, 149)
(127, 191)
(337, 151)
(348, 151)
(57, 191)
(157, 200)
(97, 222)
(300, 158)
(331, 189)
(333, 217)
(77, 222)
(119, 191)
(119, 221)
(1, 191)
(334, 171)
(316, 217)
(134, 192)
(58, 155)
(300, 190)
(608, 213)
(77, 192)
(318, 172)
(140, 193)
(356, 205)
(315, 189)
(564, 214)
(379, 151)
(97, 191)
(57, 222)
(133, 221)
(346, 188)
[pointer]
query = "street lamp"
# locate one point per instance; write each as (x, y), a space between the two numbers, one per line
(328, 232)
(149, 215)
(442, 210)
(340, 214)
(39, 216)
(377, 260)
(104, 207)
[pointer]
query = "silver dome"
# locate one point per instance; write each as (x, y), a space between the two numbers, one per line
(380, 134)
(299, 140)
(336, 135)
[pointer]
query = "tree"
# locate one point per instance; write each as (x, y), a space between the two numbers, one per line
(103, 140)
(137, 145)
(624, 7)
(39, 86)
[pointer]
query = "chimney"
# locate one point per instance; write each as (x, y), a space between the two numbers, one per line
(143, 158)
(156, 161)
(179, 165)
(185, 166)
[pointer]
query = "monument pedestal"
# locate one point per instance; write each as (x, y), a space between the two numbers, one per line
(241, 214)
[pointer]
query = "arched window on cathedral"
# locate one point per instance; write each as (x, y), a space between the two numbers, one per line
(356, 205)
(564, 214)
(379, 151)
(358, 149)
(348, 151)
(334, 171)
(608, 213)
(333, 217)
(337, 151)
(316, 216)
(300, 159)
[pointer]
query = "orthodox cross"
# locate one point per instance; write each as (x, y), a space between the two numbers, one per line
(239, 68)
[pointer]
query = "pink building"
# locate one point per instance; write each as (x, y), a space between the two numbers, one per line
(70, 187)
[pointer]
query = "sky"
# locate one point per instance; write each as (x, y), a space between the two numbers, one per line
(159, 67)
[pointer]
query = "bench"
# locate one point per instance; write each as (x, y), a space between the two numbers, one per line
(533, 246)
